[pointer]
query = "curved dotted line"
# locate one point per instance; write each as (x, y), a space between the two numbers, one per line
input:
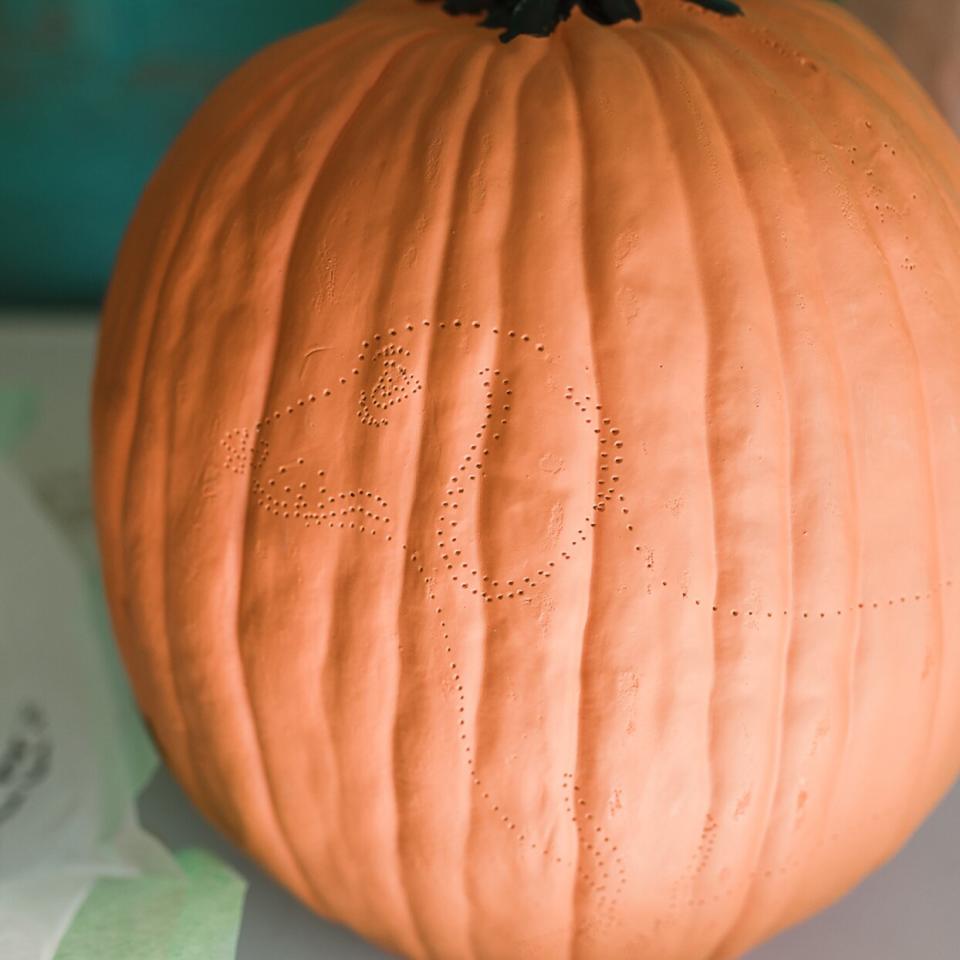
(240, 454)
(477, 783)
(364, 511)
(593, 842)
(354, 509)
(769, 39)
(817, 614)
(471, 467)
(394, 385)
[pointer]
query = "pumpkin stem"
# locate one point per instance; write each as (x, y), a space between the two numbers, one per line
(539, 18)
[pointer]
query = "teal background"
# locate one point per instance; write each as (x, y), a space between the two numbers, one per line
(91, 94)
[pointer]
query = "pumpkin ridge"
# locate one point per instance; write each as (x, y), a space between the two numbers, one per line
(934, 546)
(481, 65)
(938, 583)
(478, 803)
(464, 69)
(471, 748)
(481, 696)
(713, 815)
(746, 897)
(394, 46)
(151, 349)
(844, 409)
(266, 105)
(580, 779)
(720, 135)
(475, 744)
(657, 37)
(688, 193)
(783, 698)
(935, 549)
(161, 281)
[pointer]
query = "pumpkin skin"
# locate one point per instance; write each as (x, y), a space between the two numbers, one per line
(526, 473)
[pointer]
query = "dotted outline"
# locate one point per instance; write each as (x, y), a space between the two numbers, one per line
(242, 455)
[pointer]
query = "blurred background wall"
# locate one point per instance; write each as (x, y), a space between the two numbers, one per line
(926, 36)
(92, 92)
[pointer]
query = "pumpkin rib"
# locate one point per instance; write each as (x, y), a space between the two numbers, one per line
(276, 109)
(482, 695)
(933, 511)
(488, 689)
(826, 141)
(725, 947)
(935, 547)
(259, 171)
(716, 951)
(713, 333)
(390, 53)
(771, 791)
(228, 137)
(476, 64)
(459, 192)
(662, 107)
(843, 380)
(502, 270)
(854, 192)
(586, 640)
(152, 347)
(659, 110)
(934, 526)
(869, 95)
(659, 38)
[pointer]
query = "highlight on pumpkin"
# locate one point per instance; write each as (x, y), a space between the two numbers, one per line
(524, 471)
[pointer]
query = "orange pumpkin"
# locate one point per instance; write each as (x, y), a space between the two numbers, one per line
(526, 472)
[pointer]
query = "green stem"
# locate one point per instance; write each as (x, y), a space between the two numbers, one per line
(539, 18)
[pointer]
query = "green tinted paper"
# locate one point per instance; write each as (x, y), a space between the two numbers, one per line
(192, 915)
(73, 756)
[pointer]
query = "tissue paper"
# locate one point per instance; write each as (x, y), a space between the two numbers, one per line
(72, 759)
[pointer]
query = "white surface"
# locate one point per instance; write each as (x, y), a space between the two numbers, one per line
(72, 820)
(906, 911)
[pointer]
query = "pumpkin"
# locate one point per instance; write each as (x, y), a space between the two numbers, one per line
(526, 471)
